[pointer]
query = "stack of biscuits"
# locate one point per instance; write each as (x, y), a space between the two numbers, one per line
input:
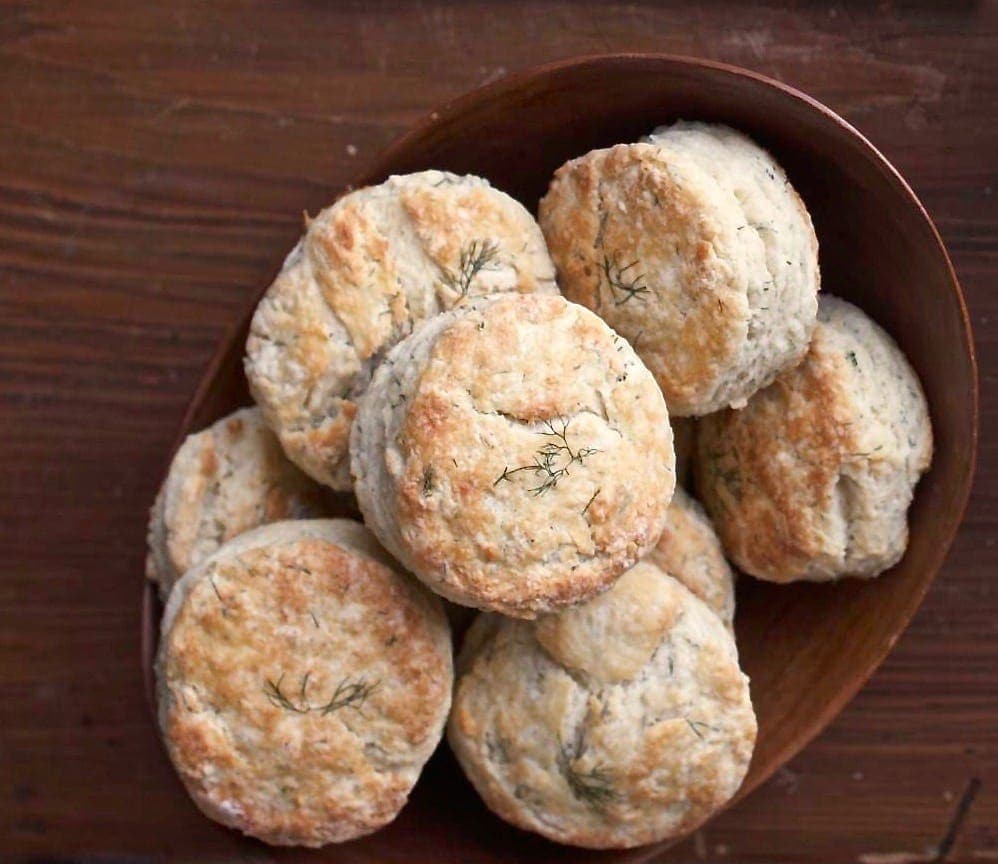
(510, 402)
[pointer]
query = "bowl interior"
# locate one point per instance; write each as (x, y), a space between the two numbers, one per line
(807, 648)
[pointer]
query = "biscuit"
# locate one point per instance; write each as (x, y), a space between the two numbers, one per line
(222, 481)
(515, 455)
(695, 247)
(617, 723)
(690, 552)
(813, 478)
(302, 683)
(366, 270)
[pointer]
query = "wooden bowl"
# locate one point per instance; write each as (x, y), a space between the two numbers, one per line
(808, 648)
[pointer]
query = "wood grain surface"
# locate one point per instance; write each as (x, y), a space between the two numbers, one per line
(154, 163)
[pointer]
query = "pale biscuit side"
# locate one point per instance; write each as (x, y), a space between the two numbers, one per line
(813, 479)
(783, 299)
(691, 552)
(224, 480)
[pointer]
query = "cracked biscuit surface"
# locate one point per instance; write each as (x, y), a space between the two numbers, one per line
(367, 269)
(813, 478)
(515, 455)
(302, 682)
(617, 723)
(694, 246)
(224, 480)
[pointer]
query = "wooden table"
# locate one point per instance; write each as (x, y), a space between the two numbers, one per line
(154, 163)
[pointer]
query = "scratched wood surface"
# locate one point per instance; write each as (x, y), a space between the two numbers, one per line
(154, 162)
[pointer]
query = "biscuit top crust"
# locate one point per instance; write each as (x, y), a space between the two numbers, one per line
(694, 247)
(691, 552)
(534, 462)
(635, 236)
(812, 479)
(302, 684)
(613, 636)
(224, 480)
(616, 723)
(370, 266)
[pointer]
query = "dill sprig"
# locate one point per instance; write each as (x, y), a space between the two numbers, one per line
(348, 694)
(276, 696)
(624, 283)
(475, 257)
(594, 786)
(552, 460)
(697, 725)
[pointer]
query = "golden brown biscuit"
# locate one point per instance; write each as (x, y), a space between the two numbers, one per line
(515, 455)
(617, 723)
(302, 683)
(813, 478)
(695, 247)
(224, 480)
